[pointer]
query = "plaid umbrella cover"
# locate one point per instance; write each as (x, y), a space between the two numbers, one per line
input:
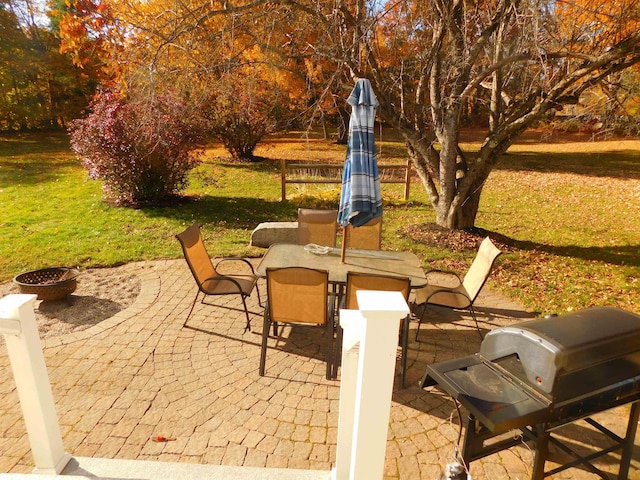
(360, 198)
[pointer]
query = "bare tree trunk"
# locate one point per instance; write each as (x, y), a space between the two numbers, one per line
(463, 215)
(456, 208)
(448, 138)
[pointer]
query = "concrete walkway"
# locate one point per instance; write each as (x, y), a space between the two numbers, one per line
(140, 374)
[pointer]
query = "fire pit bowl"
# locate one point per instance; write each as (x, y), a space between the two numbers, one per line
(48, 283)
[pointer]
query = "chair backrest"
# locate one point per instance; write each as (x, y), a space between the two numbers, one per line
(196, 254)
(298, 295)
(367, 236)
(367, 281)
(317, 226)
(480, 269)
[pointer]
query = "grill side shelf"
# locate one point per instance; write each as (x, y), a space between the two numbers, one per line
(500, 402)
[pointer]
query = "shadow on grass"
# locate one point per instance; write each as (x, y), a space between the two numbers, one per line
(231, 212)
(234, 212)
(263, 164)
(628, 255)
(433, 236)
(624, 164)
(28, 143)
(30, 159)
(40, 170)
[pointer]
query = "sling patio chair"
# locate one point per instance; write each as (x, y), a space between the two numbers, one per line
(368, 236)
(317, 226)
(298, 296)
(207, 277)
(386, 283)
(464, 294)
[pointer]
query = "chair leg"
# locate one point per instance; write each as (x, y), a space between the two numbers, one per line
(424, 309)
(332, 334)
(471, 311)
(337, 352)
(475, 319)
(330, 348)
(191, 310)
(337, 293)
(265, 335)
(258, 292)
(246, 312)
(405, 347)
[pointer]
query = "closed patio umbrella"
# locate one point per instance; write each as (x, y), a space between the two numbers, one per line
(360, 198)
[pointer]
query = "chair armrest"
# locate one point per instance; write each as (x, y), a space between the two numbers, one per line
(445, 272)
(235, 259)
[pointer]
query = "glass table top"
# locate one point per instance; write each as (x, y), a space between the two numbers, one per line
(380, 262)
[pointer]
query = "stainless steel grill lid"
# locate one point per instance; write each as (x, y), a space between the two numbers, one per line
(547, 368)
(556, 347)
(541, 374)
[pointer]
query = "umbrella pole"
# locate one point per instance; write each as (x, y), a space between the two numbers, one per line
(345, 231)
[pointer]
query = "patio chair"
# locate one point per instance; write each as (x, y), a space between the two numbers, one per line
(207, 277)
(463, 295)
(368, 236)
(365, 281)
(298, 296)
(317, 226)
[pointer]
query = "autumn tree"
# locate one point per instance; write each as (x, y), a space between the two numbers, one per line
(612, 105)
(196, 50)
(39, 86)
(91, 36)
(430, 63)
(427, 59)
(520, 61)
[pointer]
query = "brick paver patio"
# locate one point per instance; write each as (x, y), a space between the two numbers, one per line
(141, 374)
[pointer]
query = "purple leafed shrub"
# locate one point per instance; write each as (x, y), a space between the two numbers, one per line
(142, 152)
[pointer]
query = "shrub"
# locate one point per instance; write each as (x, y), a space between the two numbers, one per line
(241, 110)
(141, 151)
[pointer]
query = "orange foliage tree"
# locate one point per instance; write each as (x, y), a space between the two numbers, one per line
(618, 95)
(90, 35)
(431, 62)
(200, 51)
(519, 61)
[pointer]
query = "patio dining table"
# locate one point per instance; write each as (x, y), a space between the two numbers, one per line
(380, 262)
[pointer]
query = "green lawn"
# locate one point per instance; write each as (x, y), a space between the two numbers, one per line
(571, 212)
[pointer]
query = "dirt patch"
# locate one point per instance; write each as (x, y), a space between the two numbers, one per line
(101, 293)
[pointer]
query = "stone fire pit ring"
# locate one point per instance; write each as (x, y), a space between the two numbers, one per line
(48, 283)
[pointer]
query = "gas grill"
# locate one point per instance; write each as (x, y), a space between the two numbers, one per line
(538, 375)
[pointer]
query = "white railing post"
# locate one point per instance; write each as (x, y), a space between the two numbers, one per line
(18, 324)
(352, 324)
(368, 365)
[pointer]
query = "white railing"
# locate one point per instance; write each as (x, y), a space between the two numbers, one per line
(370, 342)
(18, 324)
(368, 366)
